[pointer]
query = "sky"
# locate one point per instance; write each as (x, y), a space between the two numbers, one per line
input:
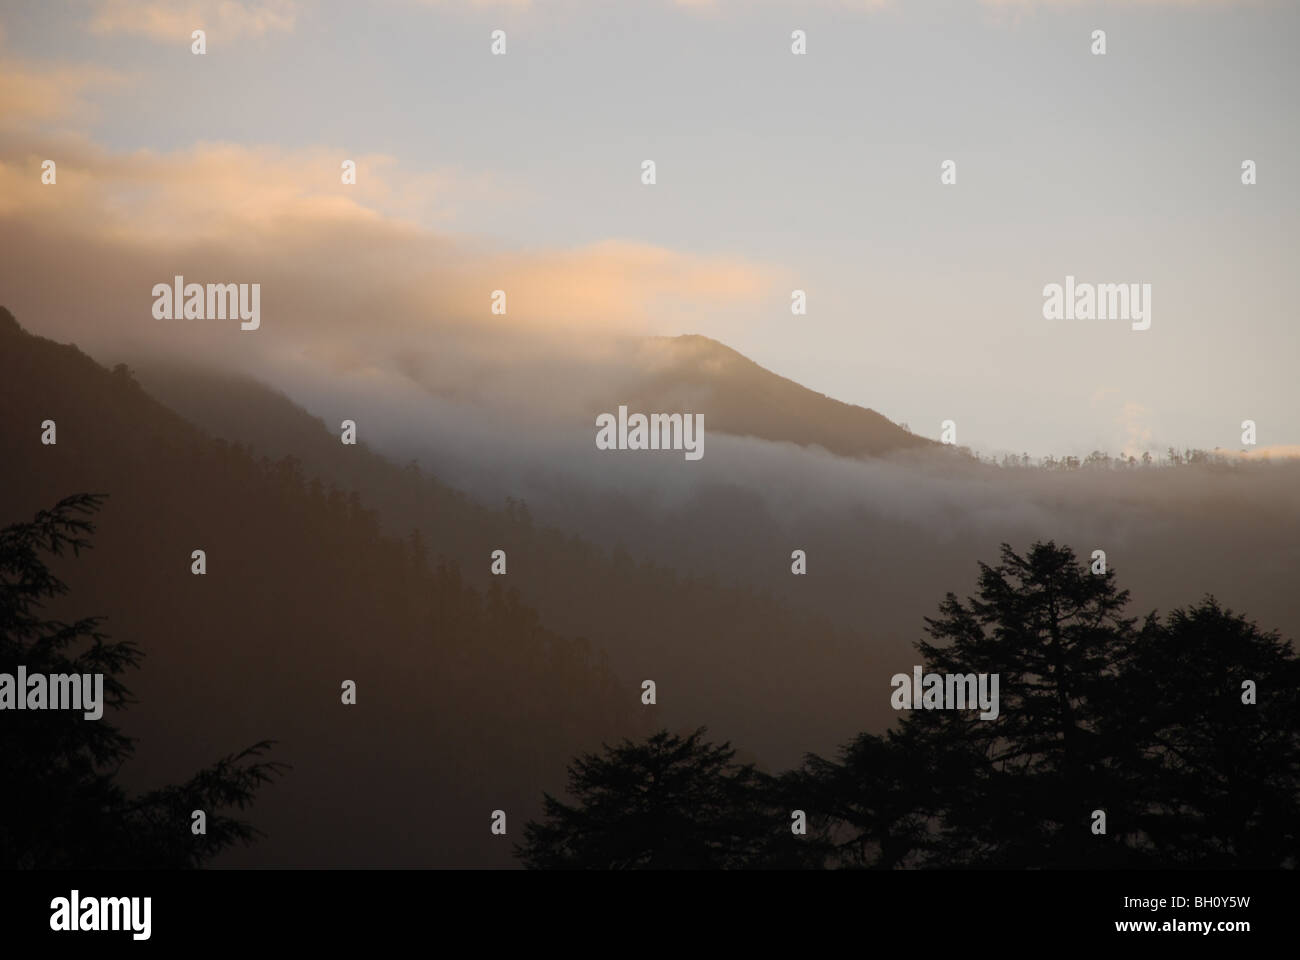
(775, 172)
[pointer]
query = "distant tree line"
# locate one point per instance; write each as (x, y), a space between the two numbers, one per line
(1101, 460)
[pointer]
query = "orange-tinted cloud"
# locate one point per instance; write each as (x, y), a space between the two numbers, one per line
(1279, 451)
(35, 95)
(172, 21)
(290, 205)
(1029, 4)
(352, 282)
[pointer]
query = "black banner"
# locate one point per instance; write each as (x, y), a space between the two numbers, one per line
(218, 908)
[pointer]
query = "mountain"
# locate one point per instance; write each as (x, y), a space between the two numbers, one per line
(754, 659)
(465, 702)
(333, 560)
(328, 562)
(681, 571)
(695, 373)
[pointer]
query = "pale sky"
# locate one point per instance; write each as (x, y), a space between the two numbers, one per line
(775, 172)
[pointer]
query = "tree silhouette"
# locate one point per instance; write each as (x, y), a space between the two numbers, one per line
(1185, 732)
(1018, 790)
(1222, 775)
(870, 805)
(61, 807)
(666, 802)
(1147, 724)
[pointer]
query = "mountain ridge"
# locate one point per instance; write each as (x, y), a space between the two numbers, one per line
(743, 398)
(465, 703)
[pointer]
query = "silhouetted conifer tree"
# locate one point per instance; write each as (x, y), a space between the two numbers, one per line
(60, 806)
(666, 802)
(1146, 724)
(1221, 775)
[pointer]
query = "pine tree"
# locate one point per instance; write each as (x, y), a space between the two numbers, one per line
(61, 807)
(667, 802)
(1222, 774)
(1150, 724)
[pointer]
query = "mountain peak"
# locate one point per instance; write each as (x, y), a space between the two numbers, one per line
(741, 397)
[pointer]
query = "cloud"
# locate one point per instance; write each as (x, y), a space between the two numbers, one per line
(695, 6)
(1133, 419)
(350, 279)
(38, 95)
(219, 191)
(268, 198)
(1135, 436)
(1276, 452)
(172, 21)
(476, 3)
(716, 5)
(1029, 4)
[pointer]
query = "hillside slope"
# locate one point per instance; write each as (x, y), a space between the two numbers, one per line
(742, 398)
(759, 665)
(465, 703)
